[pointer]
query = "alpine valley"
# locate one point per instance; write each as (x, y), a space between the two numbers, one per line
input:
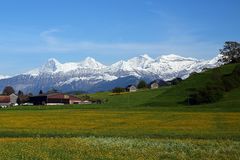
(92, 76)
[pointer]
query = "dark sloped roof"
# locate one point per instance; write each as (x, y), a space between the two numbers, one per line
(130, 86)
(58, 96)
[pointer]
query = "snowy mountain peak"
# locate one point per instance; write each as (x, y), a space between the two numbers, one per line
(142, 61)
(53, 60)
(90, 62)
(146, 56)
(174, 57)
(51, 66)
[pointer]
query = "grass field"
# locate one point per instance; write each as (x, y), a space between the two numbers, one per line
(148, 124)
(117, 148)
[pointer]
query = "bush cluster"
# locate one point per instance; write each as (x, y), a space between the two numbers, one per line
(118, 90)
(208, 94)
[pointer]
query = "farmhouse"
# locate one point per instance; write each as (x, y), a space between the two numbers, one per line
(131, 88)
(10, 100)
(54, 99)
(154, 85)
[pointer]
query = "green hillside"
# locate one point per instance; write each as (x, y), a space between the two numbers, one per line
(173, 96)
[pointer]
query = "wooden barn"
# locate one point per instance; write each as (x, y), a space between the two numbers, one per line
(54, 99)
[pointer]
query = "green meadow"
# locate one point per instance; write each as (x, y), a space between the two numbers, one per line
(148, 124)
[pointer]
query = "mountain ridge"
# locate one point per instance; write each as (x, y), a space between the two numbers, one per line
(88, 74)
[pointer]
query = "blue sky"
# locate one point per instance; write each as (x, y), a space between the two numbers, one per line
(31, 31)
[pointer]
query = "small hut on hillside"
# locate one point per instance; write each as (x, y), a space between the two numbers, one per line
(131, 88)
(154, 85)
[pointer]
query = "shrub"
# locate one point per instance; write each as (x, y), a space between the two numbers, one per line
(208, 94)
(118, 90)
(176, 81)
(142, 84)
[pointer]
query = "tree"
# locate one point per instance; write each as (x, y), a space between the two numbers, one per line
(230, 52)
(22, 99)
(118, 90)
(20, 93)
(19, 101)
(142, 84)
(40, 92)
(176, 81)
(8, 90)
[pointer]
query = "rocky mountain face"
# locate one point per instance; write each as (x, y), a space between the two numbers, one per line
(92, 76)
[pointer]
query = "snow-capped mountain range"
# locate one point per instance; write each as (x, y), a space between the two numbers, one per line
(90, 75)
(3, 77)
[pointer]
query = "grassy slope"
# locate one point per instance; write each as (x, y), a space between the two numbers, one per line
(135, 116)
(171, 97)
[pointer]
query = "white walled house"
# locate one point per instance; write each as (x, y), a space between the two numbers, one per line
(131, 88)
(154, 85)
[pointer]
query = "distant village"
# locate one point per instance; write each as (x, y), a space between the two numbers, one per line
(9, 98)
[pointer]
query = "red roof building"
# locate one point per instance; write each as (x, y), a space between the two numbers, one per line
(54, 99)
(4, 99)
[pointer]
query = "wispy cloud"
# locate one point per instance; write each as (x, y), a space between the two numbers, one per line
(48, 36)
(49, 42)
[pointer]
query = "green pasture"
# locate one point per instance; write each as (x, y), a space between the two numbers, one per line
(148, 124)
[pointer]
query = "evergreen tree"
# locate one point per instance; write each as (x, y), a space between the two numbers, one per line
(142, 84)
(20, 93)
(40, 92)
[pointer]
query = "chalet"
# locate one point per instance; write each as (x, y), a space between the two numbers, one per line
(154, 85)
(131, 88)
(10, 100)
(54, 99)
